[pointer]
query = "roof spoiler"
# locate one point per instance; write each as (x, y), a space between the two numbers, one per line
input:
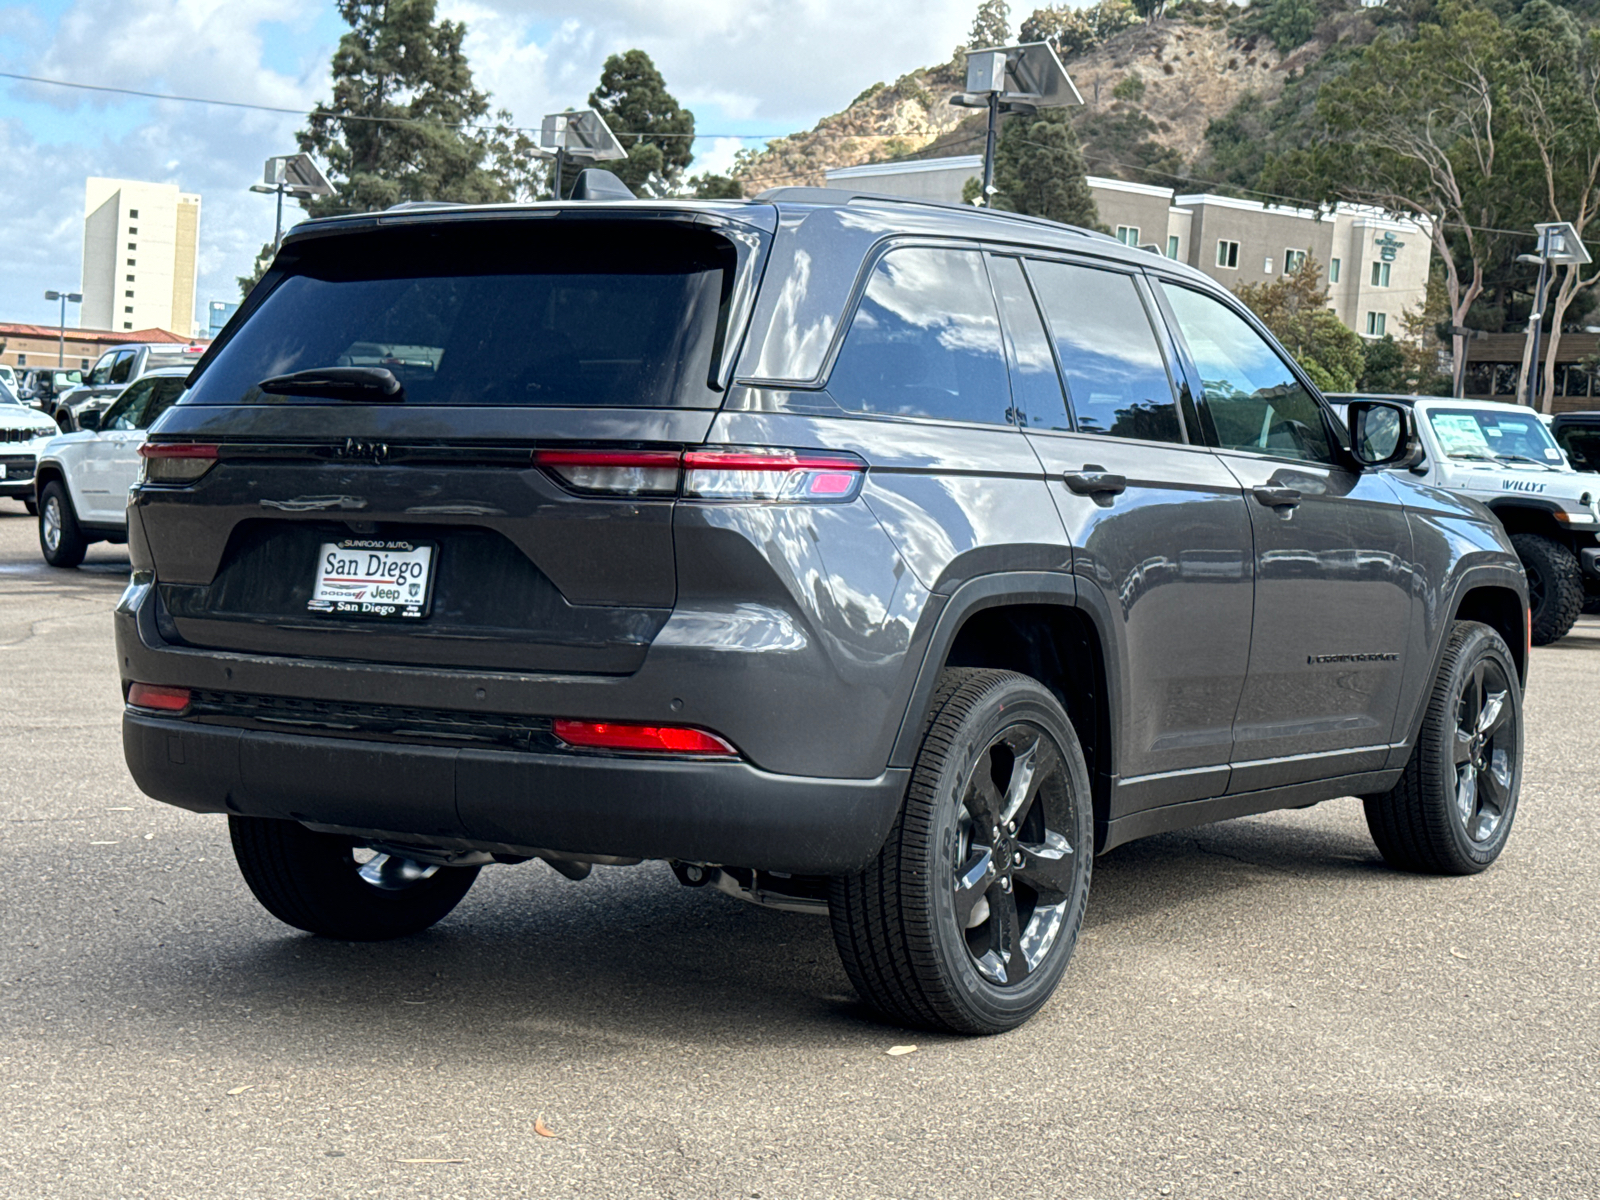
(595, 184)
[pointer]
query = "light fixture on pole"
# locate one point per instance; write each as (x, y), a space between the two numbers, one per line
(291, 175)
(61, 334)
(1559, 246)
(1013, 79)
(578, 136)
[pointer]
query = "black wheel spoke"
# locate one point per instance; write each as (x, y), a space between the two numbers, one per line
(1007, 940)
(1467, 795)
(1462, 748)
(1496, 712)
(983, 800)
(1048, 869)
(1020, 788)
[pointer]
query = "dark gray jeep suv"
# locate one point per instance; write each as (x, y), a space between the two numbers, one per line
(879, 559)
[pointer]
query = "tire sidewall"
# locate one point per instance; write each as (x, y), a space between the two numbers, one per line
(1016, 701)
(1481, 643)
(69, 549)
(1561, 580)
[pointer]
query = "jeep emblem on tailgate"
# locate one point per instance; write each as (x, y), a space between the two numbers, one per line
(378, 452)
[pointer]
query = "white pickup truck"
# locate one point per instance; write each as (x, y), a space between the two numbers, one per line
(1504, 456)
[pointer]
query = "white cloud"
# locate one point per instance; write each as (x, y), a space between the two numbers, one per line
(777, 66)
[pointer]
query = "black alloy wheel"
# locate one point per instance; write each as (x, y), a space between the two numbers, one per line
(968, 917)
(1452, 810)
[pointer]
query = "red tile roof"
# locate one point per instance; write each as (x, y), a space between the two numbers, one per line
(106, 336)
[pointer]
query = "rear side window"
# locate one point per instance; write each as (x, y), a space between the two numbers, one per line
(1582, 444)
(1254, 400)
(925, 341)
(1116, 377)
(579, 313)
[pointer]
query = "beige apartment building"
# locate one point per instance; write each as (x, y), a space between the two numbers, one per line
(141, 242)
(1375, 265)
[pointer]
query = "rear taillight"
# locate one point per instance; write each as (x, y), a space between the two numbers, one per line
(614, 472)
(649, 739)
(741, 474)
(161, 699)
(710, 473)
(175, 462)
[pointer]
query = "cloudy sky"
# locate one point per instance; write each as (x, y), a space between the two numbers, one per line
(743, 67)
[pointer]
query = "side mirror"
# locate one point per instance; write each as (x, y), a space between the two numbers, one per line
(89, 420)
(1383, 434)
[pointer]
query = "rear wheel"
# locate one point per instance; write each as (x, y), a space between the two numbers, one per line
(1451, 812)
(315, 882)
(1555, 585)
(968, 917)
(60, 539)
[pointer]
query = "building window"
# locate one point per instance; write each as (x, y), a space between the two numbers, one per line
(1380, 274)
(1333, 270)
(128, 295)
(1128, 235)
(128, 309)
(1228, 255)
(1375, 323)
(127, 324)
(83, 364)
(133, 214)
(22, 360)
(1266, 266)
(133, 245)
(130, 278)
(1293, 260)
(130, 262)
(1172, 246)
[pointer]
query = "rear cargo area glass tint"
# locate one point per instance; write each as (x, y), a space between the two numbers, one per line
(550, 313)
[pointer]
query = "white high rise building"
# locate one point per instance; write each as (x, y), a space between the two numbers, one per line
(141, 242)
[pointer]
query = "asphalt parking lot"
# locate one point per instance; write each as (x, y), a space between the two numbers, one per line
(1257, 1008)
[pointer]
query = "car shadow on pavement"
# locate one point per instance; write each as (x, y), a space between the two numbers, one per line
(628, 956)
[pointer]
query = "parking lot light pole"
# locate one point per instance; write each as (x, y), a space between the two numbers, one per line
(61, 335)
(1560, 246)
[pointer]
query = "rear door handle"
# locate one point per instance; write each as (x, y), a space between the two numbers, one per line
(1277, 497)
(1092, 481)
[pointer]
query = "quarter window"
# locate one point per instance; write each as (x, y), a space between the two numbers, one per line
(925, 341)
(1253, 398)
(1228, 255)
(1117, 380)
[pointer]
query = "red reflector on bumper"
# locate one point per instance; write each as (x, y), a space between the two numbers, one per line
(164, 699)
(658, 739)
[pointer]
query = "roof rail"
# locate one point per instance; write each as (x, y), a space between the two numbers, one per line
(421, 205)
(827, 195)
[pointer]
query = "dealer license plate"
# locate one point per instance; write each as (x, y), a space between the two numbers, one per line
(373, 578)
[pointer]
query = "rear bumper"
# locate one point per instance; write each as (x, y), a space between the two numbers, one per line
(733, 814)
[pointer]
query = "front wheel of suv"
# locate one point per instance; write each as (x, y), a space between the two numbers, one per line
(314, 882)
(60, 539)
(1451, 812)
(1555, 585)
(967, 918)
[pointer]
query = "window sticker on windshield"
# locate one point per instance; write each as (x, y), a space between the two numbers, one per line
(1553, 455)
(1460, 433)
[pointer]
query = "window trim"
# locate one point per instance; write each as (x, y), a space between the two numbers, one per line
(1333, 270)
(1194, 385)
(1233, 255)
(1288, 253)
(1172, 246)
(1134, 230)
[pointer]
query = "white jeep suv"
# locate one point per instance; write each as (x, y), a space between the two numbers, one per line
(83, 477)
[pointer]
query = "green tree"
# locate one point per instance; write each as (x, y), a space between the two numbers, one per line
(716, 187)
(1290, 23)
(657, 131)
(1295, 308)
(1419, 126)
(257, 270)
(402, 92)
(1078, 30)
(1039, 170)
(991, 25)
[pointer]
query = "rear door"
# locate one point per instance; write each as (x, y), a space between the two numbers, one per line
(1160, 535)
(102, 487)
(553, 365)
(1333, 560)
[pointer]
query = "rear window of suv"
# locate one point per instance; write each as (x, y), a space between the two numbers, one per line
(528, 312)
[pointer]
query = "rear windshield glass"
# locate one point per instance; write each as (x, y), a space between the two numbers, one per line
(526, 312)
